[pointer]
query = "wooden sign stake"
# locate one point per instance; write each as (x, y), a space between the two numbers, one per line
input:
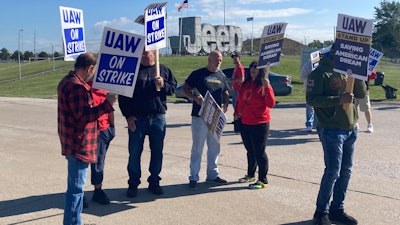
(349, 89)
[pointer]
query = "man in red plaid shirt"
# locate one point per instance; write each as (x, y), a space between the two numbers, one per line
(77, 129)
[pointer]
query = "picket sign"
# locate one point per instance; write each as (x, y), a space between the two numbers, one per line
(271, 47)
(352, 47)
(155, 30)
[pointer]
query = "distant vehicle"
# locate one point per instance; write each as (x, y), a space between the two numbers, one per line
(280, 83)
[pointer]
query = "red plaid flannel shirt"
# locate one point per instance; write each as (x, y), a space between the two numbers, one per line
(77, 118)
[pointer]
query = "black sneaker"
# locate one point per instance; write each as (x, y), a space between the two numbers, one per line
(339, 216)
(321, 219)
(156, 189)
(100, 197)
(217, 180)
(132, 191)
(193, 184)
(85, 203)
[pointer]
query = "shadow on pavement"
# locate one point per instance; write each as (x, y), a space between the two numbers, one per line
(119, 201)
(307, 222)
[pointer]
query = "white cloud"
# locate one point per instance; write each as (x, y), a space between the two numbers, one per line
(119, 23)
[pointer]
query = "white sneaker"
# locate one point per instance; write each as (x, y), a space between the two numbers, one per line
(370, 128)
(356, 126)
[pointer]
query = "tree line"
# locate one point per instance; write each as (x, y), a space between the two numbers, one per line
(5, 55)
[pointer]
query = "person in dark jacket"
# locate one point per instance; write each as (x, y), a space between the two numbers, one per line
(145, 115)
(337, 133)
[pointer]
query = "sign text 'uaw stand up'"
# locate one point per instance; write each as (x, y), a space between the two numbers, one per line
(352, 49)
(271, 46)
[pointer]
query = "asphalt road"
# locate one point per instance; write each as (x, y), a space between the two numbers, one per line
(33, 172)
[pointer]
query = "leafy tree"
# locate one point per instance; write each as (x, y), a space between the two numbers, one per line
(315, 44)
(327, 43)
(386, 36)
(56, 54)
(27, 55)
(43, 54)
(4, 54)
(14, 56)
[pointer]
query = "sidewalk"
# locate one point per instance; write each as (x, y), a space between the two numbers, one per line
(33, 172)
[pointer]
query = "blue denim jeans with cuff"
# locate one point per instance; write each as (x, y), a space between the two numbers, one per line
(77, 172)
(338, 146)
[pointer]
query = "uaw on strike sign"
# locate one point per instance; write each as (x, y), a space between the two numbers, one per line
(352, 46)
(119, 61)
(72, 32)
(155, 25)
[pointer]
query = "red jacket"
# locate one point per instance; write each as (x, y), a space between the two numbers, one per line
(256, 109)
(99, 96)
(237, 72)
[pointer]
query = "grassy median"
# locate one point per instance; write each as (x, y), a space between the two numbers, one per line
(40, 79)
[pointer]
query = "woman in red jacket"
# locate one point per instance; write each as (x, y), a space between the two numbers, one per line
(253, 103)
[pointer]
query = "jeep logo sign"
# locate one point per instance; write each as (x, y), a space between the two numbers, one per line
(204, 38)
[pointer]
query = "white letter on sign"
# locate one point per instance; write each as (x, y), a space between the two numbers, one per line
(74, 34)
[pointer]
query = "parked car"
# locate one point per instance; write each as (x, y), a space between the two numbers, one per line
(280, 83)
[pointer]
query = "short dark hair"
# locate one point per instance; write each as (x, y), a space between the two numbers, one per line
(235, 54)
(84, 60)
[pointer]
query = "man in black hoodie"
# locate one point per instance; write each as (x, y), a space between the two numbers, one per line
(145, 115)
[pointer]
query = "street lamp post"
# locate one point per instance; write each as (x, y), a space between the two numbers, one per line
(19, 52)
(224, 12)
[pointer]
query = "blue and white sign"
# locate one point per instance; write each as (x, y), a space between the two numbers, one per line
(119, 61)
(352, 45)
(72, 32)
(374, 57)
(155, 26)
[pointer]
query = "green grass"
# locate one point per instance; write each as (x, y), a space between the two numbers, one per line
(44, 85)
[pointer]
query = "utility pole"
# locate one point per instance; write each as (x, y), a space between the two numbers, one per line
(252, 49)
(180, 35)
(224, 12)
(19, 53)
(34, 44)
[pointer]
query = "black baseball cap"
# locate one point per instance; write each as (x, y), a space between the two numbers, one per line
(235, 54)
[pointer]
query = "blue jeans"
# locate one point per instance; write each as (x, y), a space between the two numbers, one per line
(234, 96)
(155, 128)
(77, 172)
(97, 169)
(311, 119)
(338, 146)
(201, 134)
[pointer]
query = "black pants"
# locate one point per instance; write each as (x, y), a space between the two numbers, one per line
(255, 139)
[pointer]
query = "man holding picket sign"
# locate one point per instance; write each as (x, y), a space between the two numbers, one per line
(331, 90)
(145, 110)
